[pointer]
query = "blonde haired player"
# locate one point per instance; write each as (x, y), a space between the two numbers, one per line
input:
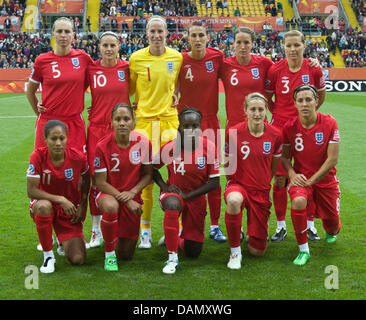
(154, 74)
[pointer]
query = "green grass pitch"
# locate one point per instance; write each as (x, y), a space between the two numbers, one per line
(270, 277)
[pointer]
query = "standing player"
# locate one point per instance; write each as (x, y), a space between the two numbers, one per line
(108, 79)
(199, 88)
(122, 168)
(242, 74)
(58, 183)
(193, 171)
(283, 77)
(62, 74)
(253, 152)
(153, 78)
(312, 140)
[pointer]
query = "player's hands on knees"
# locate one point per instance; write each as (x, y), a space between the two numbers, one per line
(174, 189)
(78, 215)
(299, 180)
(125, 196)
(134, 207)
(68, 207)
(40, 107)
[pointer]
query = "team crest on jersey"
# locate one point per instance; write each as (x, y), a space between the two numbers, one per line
(96, 162)
(31, 169)
(267, 147)
(121, 75)
(201, 161)
(209, 66)
(319, 137)
(305, 78)
(69, 174)
(136, 157)
(170, 66)
(75, 63)
(255, 73)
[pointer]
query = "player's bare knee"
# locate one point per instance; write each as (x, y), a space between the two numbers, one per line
(234, 201)
(280, 181)
(172, 203)
(255, 252)
(43, 208)
(111, 205)
(77, 259)
(299, 203)
(192, 249)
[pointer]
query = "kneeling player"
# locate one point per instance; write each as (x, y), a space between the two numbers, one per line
(193, 171)
(313, 141)
(253, 151)
(58, 184)
(122, 168)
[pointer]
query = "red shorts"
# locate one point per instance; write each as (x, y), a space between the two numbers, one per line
(61, 223)
(323, 202)
(128, 222)
(193, 216)
(258, 205)
(94, 134)
(76, 137)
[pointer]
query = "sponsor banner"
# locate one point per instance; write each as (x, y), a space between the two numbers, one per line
(345, 85)
(317, 7)
(62, 6)
(217, 23)
(15, 23)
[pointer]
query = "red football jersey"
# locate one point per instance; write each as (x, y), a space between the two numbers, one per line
(108, 87)
(309, 146)
(199, 82)
(123, 165)
(62, 180)
(282, 82)
(189, 170)
(252, 156)
(63, 80)
(239, 81)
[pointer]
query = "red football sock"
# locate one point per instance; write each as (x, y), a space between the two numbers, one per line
(214, 203)
(299, 221)
(94, 211)
(44, 230)
(280, 202)
(109, 226)
(233, 227)
(171, 230)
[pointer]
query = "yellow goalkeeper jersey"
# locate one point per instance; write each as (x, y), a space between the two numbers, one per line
(153, 79)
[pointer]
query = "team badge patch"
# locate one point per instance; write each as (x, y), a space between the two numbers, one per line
(319, 137)
(121, 75)
(255, 73)
(201, 161)
(267, 147)
(75, 63)
(305, 78)
(96, 162)
(69, 174)
(170, 66)
(136, 157)
(209, 66)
